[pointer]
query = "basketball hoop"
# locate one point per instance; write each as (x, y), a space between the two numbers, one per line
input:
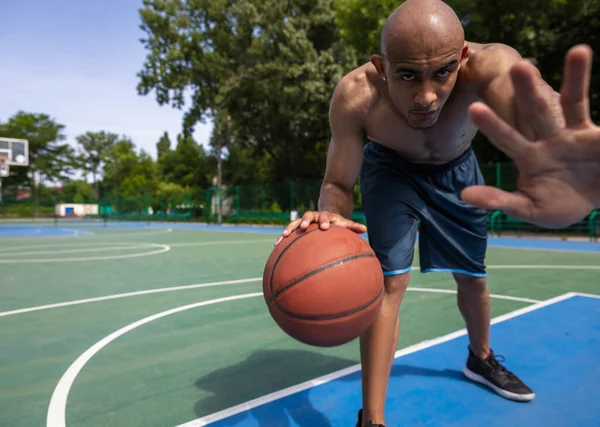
(4, 168)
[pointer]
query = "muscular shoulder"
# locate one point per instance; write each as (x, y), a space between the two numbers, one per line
(353, 97)
(486, 62)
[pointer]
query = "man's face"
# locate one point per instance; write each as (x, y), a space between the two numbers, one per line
(420, 85)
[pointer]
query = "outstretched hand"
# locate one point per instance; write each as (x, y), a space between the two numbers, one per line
(559, 174)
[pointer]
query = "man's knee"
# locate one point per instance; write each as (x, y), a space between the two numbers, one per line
(395, 285)
(469, 284)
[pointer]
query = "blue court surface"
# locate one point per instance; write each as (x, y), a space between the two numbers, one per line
(554, 347)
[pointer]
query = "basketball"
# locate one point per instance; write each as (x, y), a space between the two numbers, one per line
(323, 287)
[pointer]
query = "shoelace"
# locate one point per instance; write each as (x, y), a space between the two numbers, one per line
(494, 363)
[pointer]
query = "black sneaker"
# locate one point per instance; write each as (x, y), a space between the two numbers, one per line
(491, 373)
(359, 423)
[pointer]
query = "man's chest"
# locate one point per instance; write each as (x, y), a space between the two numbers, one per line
(450, 135)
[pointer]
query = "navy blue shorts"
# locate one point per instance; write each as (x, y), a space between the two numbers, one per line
(400, 198)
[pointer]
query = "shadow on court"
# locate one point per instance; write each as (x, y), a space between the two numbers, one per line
(261, 373)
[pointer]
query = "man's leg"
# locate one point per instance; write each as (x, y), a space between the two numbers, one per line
(473, 300)
(391, 207)
(482, 366)
(377, 348)
(456, 241)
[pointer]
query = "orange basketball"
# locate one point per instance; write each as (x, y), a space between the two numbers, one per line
(323, 287)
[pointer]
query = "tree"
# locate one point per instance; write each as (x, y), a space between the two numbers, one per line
(360, 23)
(163, 145)
(186, 165)
(128, 174)
(76, 191)
(50, 159)
(95, 148)
(271, 65)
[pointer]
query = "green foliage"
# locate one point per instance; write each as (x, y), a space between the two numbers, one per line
(127, 173)
(95, 148)
(76, 191)
(163, 146)
(187, 165)
(271, 65)
(360, 23)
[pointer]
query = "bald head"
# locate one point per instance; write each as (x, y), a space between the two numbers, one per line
(421, 28)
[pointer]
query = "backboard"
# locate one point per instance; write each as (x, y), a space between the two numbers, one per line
(16, 150)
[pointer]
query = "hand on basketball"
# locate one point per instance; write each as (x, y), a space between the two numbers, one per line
(324, 219)
(559, 173)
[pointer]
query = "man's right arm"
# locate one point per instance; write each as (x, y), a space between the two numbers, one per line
(344, 160)
(345, 152)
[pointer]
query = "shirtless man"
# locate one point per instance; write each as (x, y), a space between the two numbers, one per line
(412, 103)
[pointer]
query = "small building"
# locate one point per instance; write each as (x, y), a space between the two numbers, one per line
(75, 209)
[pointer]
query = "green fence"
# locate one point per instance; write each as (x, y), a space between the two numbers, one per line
(261, 203)
(271, 203)
(174, 206)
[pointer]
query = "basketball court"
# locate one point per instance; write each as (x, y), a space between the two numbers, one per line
(130, 324)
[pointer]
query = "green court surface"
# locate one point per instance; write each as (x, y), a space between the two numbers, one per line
(71, 347)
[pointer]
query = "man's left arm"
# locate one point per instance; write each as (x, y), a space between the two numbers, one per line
(491, 68)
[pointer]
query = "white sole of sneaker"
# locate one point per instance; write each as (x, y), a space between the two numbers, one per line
(506, 394)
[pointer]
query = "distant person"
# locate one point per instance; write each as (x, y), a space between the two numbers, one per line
(412, 103)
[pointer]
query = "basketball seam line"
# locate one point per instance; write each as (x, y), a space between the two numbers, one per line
(317, 271)
(333, 316)
(279, 258)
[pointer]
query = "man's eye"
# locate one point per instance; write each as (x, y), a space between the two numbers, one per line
(444, 73)
(408, 77)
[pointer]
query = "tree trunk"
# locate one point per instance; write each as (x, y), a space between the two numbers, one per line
(36, 198)
(96, 190)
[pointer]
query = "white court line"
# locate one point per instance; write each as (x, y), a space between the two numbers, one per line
(79, 234)
(163, 249)
(87, 244)
(545, 267)
(452, 291)
(74, 232)
(79, 250)
(56, 416)
(128, 294)
(226, 413)
(58, 401)
(256, 279)
(225, 242)
(582, 294)
(72, 235)
(131, 232)
(93, 244)
(546, 249)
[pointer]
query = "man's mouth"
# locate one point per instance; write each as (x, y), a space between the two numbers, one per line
(425, 114)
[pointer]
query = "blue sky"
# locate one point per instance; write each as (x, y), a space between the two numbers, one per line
(77, 60)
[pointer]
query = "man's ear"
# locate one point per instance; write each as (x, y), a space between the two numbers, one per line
(465, 49)
(378, 62)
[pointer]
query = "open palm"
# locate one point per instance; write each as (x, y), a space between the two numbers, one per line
(559, 173)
